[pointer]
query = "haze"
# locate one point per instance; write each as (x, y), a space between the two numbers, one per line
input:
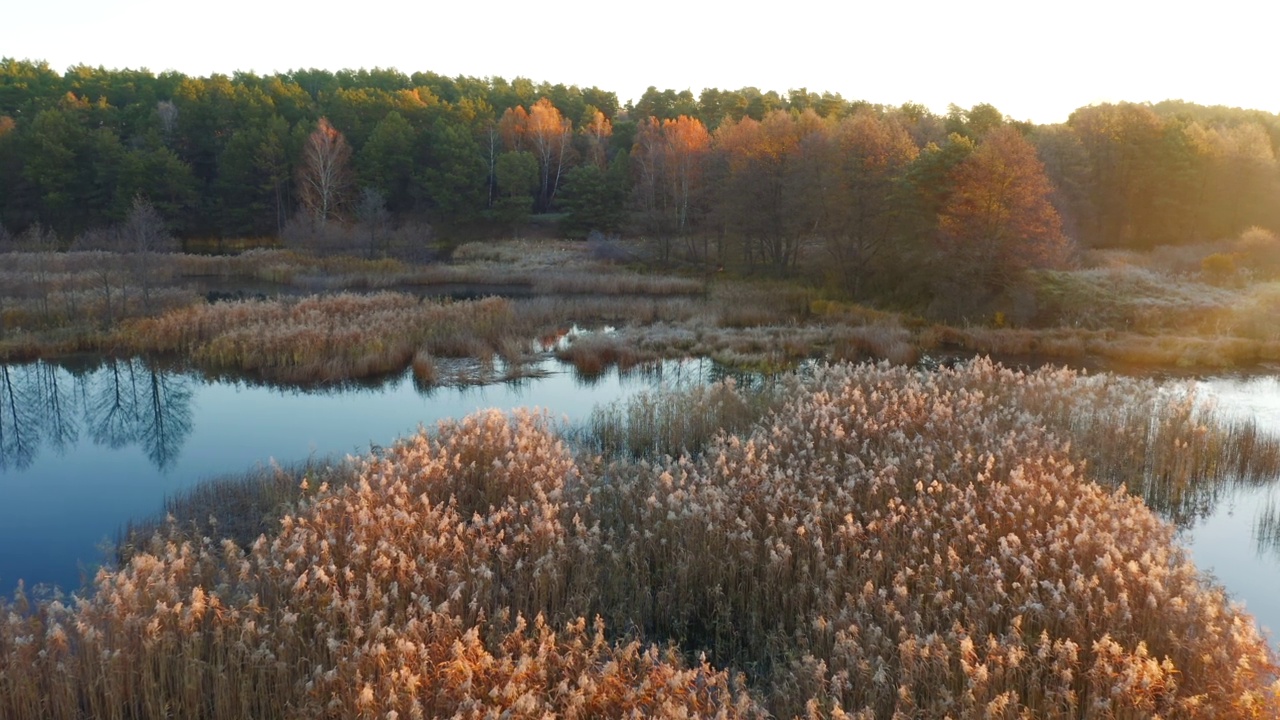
(1033, 61)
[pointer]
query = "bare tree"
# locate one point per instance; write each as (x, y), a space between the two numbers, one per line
(324, 177)
(374, 220)
(144, 230)
(144, 234)
(43, 242)
(109, 272)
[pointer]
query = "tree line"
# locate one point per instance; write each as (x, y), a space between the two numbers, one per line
(766, 180)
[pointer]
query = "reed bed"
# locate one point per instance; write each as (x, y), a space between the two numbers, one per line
(675, 420)
(1126, 348)
(873, 542)
(766, 349)
(1132, 299)
(895, 543)
(425, 589)
(591, 310)
(592, 353)
(325, 338)
(237, 507)
(59, 302)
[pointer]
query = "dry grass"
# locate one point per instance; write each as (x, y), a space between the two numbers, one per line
(1126, 309)
(236, 507)
(675, 420)
(324, 338)
(1131, 349)
(874, 542)
(593, 353)
(425, 372)
(891, 542)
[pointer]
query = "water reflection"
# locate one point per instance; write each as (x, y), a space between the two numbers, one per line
(89, 445)
(1266, 532)
(117, 404)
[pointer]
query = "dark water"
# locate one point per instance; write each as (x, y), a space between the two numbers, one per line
(85, 449)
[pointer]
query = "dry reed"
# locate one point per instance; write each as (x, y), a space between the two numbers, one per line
(324, 338)
(881, 542)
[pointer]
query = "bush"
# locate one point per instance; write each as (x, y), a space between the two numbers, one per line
(1219, 268)
(1259, 248)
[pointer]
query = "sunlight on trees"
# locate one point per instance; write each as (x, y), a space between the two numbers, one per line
(998, 221)
(324, 176)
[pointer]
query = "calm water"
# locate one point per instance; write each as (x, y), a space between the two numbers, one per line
(1239, 540)
(85, 449)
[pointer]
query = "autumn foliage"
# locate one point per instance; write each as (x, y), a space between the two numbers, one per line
(669, 159)
(998, 220)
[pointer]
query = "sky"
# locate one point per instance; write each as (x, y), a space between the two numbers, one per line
(1033, 60)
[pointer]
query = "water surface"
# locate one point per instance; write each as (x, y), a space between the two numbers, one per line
(1238, 539)
(85, 449)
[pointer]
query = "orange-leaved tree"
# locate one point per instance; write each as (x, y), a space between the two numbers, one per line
(756, 159)
(669, 159)
(596, 131)
(998, 221)
(543, 131)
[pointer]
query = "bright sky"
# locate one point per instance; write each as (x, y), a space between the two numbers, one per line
(1033, 60)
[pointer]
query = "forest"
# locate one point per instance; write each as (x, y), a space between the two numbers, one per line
(893, 204)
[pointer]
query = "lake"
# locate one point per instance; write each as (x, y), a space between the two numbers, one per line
(86, 447)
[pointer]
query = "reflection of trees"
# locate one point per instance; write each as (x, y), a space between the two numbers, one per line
(112, 409)
(61, 428)
(165, 418)
(1266, 533)
(19, 426)
(122, 403)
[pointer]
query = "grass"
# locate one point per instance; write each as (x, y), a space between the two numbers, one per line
(235, 507)
(324, 338)
(1149, 310)
(858, 541)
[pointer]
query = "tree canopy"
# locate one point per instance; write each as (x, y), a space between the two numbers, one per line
(771, 181)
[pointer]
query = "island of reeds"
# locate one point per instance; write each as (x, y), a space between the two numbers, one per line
(857, 541)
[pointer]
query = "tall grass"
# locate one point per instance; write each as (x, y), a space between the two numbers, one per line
(928, 544)
(873, 542)
(237, 507)
(674, 421)
(325, 338)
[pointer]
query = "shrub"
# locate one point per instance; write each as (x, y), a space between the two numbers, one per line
(1219, 268)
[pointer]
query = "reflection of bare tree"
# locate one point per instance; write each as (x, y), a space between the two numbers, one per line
(133, 402)
(60, 426)
(118, 404)
(19, 425)
(1266, 533)
(165, 420)
(112, 410)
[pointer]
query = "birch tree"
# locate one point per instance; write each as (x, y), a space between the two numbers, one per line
(324, 176)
